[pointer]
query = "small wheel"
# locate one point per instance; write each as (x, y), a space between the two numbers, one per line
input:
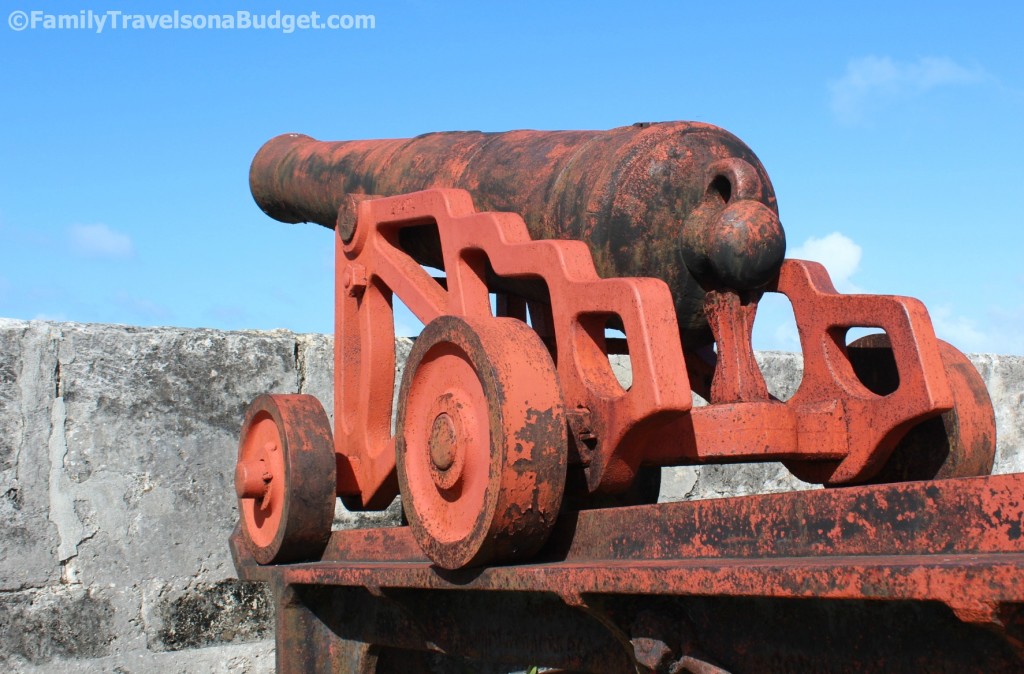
(285, 478)
(959, 443)
(481, 447)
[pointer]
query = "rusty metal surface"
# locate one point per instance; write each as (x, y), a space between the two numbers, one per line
(954, 543)
(511, 424)
(284, 478)
(693, 634)
(835, 430)
(847, 430)
(581, 303)
(643, 197)
(691, 189)
(481, 449)
(960, 442)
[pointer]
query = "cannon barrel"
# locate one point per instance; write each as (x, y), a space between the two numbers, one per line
(685, 202)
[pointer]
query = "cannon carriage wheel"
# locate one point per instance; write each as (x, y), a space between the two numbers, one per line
(957, 443)
(285, 478)
(481, 442)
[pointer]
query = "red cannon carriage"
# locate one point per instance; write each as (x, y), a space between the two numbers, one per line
(522, 253)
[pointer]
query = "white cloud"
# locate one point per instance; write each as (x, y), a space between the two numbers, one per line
(998, 329)
(100, 241)
(840, 255)
(787, 337)
(960, 331)
(872, 80)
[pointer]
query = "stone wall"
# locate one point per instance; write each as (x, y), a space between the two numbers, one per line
(117, 448)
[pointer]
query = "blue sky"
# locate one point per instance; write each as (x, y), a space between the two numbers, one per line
(893, 133)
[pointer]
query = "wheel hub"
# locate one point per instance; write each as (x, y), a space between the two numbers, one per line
(442, 442)
(450, 433)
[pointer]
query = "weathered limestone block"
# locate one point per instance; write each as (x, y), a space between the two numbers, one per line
(117, 450)
(1004, 378)
(28, 537)
(58, 623)
(149, 435)
(197, 615)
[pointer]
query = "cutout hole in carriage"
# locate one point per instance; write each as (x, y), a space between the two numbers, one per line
(606, 372)
(423, 244)
(775, 329)
(617, 348)
(869, 351)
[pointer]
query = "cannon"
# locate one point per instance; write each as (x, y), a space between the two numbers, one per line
(685, 202)
(525, 255)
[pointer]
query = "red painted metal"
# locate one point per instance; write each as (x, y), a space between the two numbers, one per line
(958, 542)
(481, 449)
(835, 430)
(960, 442)
(284, 478)
(580, 304)
(510, 417)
